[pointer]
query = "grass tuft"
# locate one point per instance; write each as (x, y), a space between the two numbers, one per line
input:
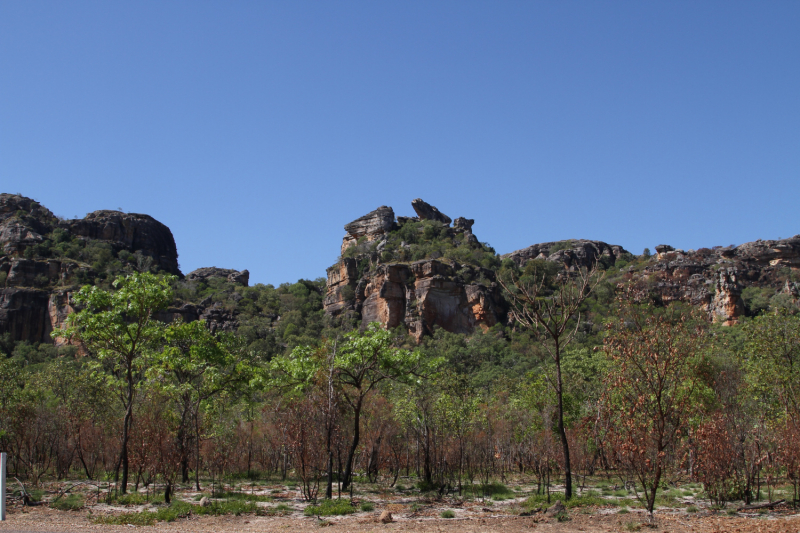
(177, 510)
(71, 502)
(330, 508)
(448, 514)
(367, 506)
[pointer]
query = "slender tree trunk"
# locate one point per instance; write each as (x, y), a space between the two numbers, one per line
(348, 467)
(124, 449)
(562, 431)
(196, 449)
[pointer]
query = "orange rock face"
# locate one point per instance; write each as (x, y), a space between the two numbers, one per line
(422, 296)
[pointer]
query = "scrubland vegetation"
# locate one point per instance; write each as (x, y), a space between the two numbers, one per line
(593, 394)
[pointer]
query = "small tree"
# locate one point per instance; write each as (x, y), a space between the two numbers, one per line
(193, 367)
(653, 387)
(120, 329)
(356, 366)
(551, 310)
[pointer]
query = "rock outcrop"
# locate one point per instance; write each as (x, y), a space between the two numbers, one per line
(715, 279)
(36, 289)
(132, 232)
(371, 226)
(727, 306)
(234, 276)
(426, 211)
(576, 253)
(420, 295)
(23, 221)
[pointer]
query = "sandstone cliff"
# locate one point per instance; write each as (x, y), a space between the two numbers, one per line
(717, 279)
(419, 295)
(43, 259)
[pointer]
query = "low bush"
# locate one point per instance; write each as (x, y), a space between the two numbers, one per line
(448, 514)
(367, 506)
(132, 498)
(176, 510)
(71, 502)
(330, 508)
(586, 500)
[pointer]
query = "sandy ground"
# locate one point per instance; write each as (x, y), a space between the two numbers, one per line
(42, 519)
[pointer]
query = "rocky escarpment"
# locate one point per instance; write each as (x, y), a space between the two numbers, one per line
(719, 279)
(419, 295)
(132, 232)
(577, 253)
(44, 259)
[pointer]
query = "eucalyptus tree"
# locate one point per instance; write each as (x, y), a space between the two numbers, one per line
(355, 366)
(194, 366)
(119, 327)
(549, 306)
(653, 388)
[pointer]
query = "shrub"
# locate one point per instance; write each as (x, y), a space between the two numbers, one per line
(448, 514)
(496, 490)
(132, 498)
(367, 506)
(330, 508)
(71, 502)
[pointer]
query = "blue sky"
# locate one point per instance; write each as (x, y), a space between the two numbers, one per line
(256, 130)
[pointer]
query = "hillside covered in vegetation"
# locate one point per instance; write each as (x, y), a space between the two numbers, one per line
(424, 359)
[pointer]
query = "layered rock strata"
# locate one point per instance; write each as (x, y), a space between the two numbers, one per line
(715, 278)
(371, 226)
(421, 295)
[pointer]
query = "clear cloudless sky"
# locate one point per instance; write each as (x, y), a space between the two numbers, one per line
(256, 130)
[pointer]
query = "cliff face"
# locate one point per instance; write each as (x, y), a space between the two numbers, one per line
(420, 295)
(132, 232)
(35, 289)
(715, 279)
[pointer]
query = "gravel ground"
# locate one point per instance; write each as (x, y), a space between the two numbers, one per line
(42, 519)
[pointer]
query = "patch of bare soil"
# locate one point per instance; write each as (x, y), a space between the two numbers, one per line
(50, 520)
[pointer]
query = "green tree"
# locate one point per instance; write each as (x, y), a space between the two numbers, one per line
(120, 329)
(194, 366)
(772, 359)
(357, 365)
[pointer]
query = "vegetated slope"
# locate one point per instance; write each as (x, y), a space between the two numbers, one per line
(44, 259)
(422, 273)
(426, 273)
